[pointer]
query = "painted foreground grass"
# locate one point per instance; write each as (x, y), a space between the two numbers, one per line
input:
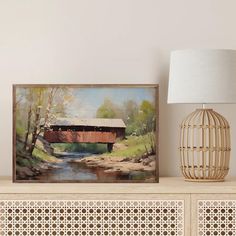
(28, 166)
(39, 156)
(133, 146)
(43, 156)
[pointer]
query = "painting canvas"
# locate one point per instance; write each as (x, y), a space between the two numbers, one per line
(85, 133)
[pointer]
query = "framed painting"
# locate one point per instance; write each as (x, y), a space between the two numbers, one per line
(85, 133)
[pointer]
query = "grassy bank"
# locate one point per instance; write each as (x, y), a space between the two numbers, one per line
(28, 166)
(41, 155)
(132, 147)
(23, 158)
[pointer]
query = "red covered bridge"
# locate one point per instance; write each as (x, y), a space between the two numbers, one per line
(72, 130)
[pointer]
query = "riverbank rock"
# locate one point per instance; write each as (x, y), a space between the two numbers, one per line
(148, 160)
(23, 172)
(114, 164)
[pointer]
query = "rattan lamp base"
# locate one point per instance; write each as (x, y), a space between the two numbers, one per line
(204, 180)
(205, 146)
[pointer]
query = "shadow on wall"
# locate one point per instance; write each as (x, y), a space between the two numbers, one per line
(170, 118)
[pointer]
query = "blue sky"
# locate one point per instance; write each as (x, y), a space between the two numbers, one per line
(88, 100)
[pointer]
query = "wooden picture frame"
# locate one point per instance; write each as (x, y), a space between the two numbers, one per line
(46, 124)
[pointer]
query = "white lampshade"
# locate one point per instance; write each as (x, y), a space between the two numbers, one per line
(202, 76)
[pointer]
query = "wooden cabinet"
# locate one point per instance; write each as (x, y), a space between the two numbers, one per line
(173, 207)
(92, 214)
(213, 214)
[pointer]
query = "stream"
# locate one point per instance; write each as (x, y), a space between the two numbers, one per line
(72, 171)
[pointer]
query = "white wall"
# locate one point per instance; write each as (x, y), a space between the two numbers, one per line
(109, 41)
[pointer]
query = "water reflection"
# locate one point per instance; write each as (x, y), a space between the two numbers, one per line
(74, 171)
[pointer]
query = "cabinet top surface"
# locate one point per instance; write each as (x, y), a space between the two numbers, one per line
(168, 185)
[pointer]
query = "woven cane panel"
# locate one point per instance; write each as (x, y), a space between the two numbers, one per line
(110, 217)
(217, 217)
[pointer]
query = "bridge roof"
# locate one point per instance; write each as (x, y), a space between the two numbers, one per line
(98, 122)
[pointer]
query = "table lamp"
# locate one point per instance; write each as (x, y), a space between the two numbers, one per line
(203, 77)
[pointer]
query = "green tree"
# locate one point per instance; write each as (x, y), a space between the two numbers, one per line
(45, 109)
(147, 121)
(108, 110)
(147, 117)
(130, 112)
(29, 98)
(39, 95)
(35, 108)
(131, 109)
